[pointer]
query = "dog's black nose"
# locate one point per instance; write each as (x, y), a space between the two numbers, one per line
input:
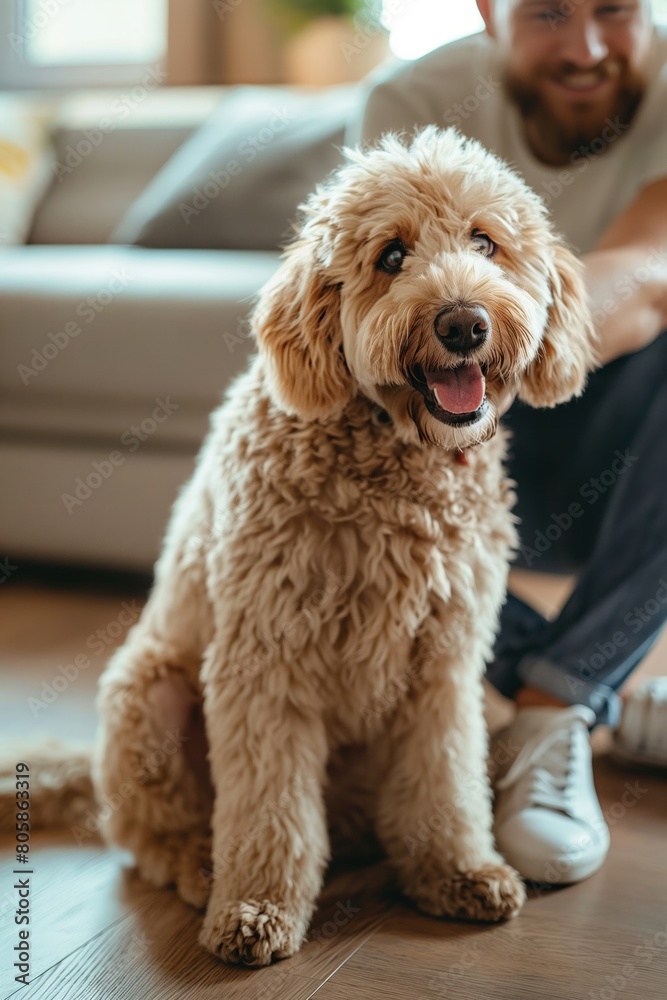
(462, 328)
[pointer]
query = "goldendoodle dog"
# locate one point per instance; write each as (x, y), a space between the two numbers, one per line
(347, 533)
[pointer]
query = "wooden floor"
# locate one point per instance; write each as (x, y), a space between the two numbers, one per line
(98, 933)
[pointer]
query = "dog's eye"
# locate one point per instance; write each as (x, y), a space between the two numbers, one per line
(391, 259)
(483, 243)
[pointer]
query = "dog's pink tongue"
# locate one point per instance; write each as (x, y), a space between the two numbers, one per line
(459, 390)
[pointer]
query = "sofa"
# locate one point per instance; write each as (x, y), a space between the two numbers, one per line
(116, 340)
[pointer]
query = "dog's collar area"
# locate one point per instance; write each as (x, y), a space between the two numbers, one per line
(381, 416)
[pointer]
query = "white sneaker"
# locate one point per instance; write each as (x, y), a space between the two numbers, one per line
(641, 737)
(548, 821)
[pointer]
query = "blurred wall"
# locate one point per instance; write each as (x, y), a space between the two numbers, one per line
(223, 41)
(249, 45)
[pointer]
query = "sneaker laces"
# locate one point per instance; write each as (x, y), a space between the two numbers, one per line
(549, 754)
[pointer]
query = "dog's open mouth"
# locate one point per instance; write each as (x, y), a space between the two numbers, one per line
(453, 395)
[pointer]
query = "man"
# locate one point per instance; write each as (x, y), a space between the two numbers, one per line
(573, 93)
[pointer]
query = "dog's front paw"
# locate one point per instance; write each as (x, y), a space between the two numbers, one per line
(492, 892)
(252, 932)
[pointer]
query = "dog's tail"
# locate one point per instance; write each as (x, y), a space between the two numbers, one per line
(57, 778)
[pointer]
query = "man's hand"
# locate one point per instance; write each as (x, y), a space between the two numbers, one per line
(626, 276)
(628, 289)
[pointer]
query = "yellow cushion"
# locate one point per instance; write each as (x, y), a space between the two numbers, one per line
(26, 159)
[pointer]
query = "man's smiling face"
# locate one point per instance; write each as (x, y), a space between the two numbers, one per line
(570, 65)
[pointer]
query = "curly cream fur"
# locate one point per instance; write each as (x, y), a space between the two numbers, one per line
(330, 582)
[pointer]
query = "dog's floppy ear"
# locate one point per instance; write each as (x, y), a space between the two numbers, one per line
(297, 325)
(567, 353)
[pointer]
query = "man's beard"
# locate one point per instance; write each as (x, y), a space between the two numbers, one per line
(561, 139)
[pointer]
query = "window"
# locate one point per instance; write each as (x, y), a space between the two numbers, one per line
(80, 42)
(419, 26)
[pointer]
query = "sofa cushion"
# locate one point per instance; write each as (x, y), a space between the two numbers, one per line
(108, 144)
(237, 182)
(89, 194)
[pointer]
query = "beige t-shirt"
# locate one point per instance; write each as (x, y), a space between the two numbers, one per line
(459, 85)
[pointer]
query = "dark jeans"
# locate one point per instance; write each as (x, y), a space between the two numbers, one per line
(592, 486)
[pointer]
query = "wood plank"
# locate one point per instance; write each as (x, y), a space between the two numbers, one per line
(43, 629)
(524, 960)
(151, 950)
(569, 943)
(153, 953)
(73, 897)
(81, 893)
(99, 932)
